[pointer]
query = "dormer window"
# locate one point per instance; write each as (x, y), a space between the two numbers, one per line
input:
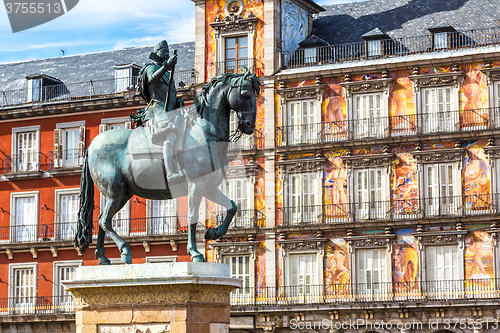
(441, 35)
(374, 42)
(38, 90)
(310, 47)
(125, 76)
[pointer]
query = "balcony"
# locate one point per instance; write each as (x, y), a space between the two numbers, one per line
(391, 210)
(352, 293)
(150, 226)
(41, 305)
(248, 142)
(126, 86)
(239, 66)
(244, 219)
(342, 53)
(390, 127)
(24, 165)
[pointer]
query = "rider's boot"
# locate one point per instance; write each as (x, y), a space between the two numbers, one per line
(171, 169)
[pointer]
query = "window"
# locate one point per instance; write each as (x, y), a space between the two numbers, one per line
(236, 54)
(370, 193)
(25, 148)
(34, 90)
(239, 267)
(115, 123)
(440, 40)
(240, 190)
(125, 76)
(371, 271)
(374, 48)
(22, 288)
(368, 113)
(310, 55)
(441, 189)
(303, 277)
(303, 121)
(68, 205)
(64, 271)
(442, 269)
(437, 110)
(245, 141)
(24, 221)
(69, 144)
(304, 198)
(163, 217)
(496, 96)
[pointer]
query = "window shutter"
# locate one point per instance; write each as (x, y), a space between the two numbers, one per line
(431, 263)
(103, 128)
(233, 121)
(361, 270)
(498, 94)
(128, 125)
(57, 148)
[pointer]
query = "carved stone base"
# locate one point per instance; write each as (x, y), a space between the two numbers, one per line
(153, 298)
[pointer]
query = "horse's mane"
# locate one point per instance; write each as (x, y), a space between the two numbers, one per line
(200, 101)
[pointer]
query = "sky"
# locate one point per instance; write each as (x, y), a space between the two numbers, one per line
(102, 25)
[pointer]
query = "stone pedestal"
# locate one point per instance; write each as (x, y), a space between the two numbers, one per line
(153, 298)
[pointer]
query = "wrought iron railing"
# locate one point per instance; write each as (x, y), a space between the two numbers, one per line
(239, 66)
(39, 305)
(150, 226)
(396, 209)
(248, 142)
(25, 162)
(84, 90)
(394, 126)
(244, 219)
(341, 53)
(66, 158)
(348, 293)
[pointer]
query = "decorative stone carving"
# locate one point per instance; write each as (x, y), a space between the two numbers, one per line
(493, 153)
(135, 328)
(363, 161)
(432, 80)
(242, 171)
(372, 241)
(316, 244)
(492, 74)
(443, 237)
(234, 248)
(315, 91)
(299, 166)
(440, 239)
(439, 155)
(234, 23)
(367, 86)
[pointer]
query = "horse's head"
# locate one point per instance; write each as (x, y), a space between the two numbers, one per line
(242, 99)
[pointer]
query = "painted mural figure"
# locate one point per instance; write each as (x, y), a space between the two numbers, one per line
(476, 247)
(340, 259)
(337, 180)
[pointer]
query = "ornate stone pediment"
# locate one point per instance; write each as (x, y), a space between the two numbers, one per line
(353, 87)
(242, 171)
(298, 245)
(371, 241)
(439, 238)
(492, 74)
(437, 79)
(315, 91)
(234, 248)
(300, 166)
(439, 155)
(493, 153)
(234, 23)
(362, 161)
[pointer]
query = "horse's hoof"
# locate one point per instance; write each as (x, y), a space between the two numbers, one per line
(126, 258)
(104, 261)
(198, 258)
(211, 234)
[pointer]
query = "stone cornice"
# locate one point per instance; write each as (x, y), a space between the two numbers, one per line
(371, 241)
(362, 161)
(301, 165)
(315, 92)
(492, 74)
(242, 171)
(233, 23)
(308, 244)
(439, 155)
(436, 79)
(441, 237)
(234, 248)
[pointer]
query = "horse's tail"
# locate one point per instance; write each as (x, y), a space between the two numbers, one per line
(83, 237)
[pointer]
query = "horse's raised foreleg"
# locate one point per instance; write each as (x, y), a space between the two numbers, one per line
(99, 248)
(219, 198)
(194, 199)
(111, 207)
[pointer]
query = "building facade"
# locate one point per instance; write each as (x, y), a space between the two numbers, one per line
(368, 195)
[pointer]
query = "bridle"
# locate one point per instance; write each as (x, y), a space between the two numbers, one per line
(238, 133)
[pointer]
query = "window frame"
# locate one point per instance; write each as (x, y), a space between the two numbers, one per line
(106, 123)
(150, 217)
(13, 215)
(21, 130)
(12, 286)
(60, 144)
(57, 279)
(58, 214)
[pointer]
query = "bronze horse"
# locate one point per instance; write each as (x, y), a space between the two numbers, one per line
(110, 166)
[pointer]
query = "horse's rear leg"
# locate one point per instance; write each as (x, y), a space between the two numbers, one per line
(99, 248)
(219, 198)
(194, 199)
(111, 207)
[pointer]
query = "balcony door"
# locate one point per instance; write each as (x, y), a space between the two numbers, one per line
(245, 142)
(442, 270)
(303, 124)
(69, 204)
(440, 196)
(25, 220)
(236, 54)
(370, 194)
(164, 217)
(303, 278)
(371, 270)
(304, 205)
(23, 290)
(26, 158)
(437, 115)
(368, 121)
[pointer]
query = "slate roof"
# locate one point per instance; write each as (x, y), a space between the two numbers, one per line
(87, 67)
(346, 23)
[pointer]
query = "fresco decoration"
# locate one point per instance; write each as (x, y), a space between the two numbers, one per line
(294, 25)
(279, 270)
(216, 7)
(277, 120)
(260, 198)
(476, 178)
(478, 256)
(402, 103)
(335, 199)
(404, 183)
(336, 265)
(474, 97)
(333, 107)
(260, 266)
(405, 270)
(368, 151)
(440, 145)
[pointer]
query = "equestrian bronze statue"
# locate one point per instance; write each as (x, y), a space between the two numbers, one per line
(171, 153)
